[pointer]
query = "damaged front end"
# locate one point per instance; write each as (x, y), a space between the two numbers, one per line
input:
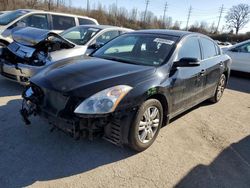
(59, 110)
(30, 52)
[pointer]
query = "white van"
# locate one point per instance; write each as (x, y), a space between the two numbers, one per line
(56, 22)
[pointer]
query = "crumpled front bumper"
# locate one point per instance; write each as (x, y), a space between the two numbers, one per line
(18, 72)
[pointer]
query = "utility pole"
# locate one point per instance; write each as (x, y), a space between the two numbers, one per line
(87, 6)
(116, 11)
(164, 14)
(146, 9)
(189, 14)
(221, 11)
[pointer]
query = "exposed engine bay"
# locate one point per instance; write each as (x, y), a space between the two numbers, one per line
(27, 50)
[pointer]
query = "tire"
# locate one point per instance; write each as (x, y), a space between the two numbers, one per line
(219, 89)
(149, 120)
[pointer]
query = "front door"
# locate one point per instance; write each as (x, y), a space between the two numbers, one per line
(187, 83)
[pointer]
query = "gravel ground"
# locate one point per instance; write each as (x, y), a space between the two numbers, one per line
(209, 146)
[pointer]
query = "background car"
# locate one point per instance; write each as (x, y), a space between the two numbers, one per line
(3, 12)
(56, 22)
(33, 49)
(240, 54)
(129, 88)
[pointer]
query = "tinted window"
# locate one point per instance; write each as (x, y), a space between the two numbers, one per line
(107, 36)
(208, 48)
(190, 48)
(8, 17)
(83, 21)
(141, 49)
(37, 21)
(63, 22)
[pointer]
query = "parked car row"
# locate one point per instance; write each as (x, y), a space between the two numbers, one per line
(121, 84)
(56, 22)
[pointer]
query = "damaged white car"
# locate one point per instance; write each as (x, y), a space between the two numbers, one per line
(33, 49)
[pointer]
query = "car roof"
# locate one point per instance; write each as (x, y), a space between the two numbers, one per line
(58, 13)
(177, 33)
(104, 27)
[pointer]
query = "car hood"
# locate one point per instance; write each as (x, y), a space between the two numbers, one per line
(85, 76)
(30, 36)
(67, 53)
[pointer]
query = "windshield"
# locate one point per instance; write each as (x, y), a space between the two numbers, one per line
(8, 17)
(80, 35)
(142, 49)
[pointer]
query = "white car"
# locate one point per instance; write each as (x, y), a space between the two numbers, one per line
(56, 22)
(33, 49)
(240, 54)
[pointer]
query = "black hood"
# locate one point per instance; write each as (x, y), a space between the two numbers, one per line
(30, 36)
(86, 76)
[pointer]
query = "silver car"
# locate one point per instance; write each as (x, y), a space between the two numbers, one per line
(33, 49)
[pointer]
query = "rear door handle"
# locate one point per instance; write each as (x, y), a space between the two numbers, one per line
(202, 73)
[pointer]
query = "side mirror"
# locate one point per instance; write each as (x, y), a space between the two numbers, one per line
(96, 46)
(187, 62)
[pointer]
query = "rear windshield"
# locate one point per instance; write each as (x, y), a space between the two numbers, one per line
(8, 17)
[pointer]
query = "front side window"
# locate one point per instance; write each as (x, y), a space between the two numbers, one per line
(107, 36)
(36, 20)
(208, 47)
(190, 49)
(83, 21)
(62, 22)
(141, 49)
(8, 17)
(245, 48)
(80, 35)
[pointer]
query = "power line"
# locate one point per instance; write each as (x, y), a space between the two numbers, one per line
(164, 13)
(189, 14)
(146, 9)
(221, 11)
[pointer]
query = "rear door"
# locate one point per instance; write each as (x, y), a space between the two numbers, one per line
(61, 23)
(212, 65)
(187, 82)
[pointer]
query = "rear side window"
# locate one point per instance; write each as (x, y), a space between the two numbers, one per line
(83, 21)
(36, 20)
(190, 48)
(62, 22)
(208, 47)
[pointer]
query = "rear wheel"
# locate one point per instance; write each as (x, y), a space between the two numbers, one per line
(146, 125)
(219, 89)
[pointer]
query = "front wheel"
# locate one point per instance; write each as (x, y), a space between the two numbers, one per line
(146, 125)
(219, 89)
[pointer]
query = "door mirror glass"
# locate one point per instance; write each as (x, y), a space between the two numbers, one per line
(187, 62)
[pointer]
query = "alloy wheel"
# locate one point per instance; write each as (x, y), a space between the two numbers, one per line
(149, 124)
(221, 87)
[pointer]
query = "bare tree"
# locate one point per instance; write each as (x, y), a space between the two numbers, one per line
(238, 16)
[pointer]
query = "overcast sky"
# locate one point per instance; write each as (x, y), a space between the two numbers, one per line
(202, 10)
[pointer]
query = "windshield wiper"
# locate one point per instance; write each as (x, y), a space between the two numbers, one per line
(119, 60)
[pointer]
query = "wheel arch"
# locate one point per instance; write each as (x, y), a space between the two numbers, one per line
(165, 105)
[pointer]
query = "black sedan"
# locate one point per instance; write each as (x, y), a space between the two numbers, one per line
(128, 89)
